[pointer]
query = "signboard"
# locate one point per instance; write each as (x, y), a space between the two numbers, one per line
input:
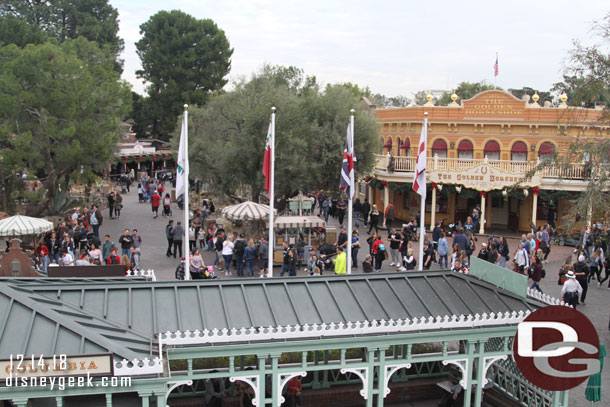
(58, 365)
(483, 177)
(493, 103)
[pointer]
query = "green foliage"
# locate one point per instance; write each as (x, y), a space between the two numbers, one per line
(141, 115)
(385, 101)
(587, 76)
(184, 60)
(16, 31)
(227, 137)
(61, 204)
(465, 90)
(95, 20)
(59, 109)
(526, 90)
(419, 98)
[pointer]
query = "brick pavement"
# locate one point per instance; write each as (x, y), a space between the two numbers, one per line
(154, 244)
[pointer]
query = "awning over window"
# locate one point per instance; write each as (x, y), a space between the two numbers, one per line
(519, 147)
(406, 144)
(439, 144)
(546, 148)
(388, 143)
(465, 145)
(492, 146)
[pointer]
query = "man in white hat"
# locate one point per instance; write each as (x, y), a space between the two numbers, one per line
(581, 272)
(571, 289)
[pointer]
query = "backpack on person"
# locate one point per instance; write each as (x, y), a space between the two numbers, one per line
(383, 251)
(219, 244)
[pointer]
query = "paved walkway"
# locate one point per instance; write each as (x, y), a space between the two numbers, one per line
(139, 216)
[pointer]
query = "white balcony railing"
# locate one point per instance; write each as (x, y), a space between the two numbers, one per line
(574, 171)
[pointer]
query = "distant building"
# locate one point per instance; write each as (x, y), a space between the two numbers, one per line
(478, 150)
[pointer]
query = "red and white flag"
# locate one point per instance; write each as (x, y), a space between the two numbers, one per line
(346, 182)
(496, 67)
(267, 161)
(419, 183)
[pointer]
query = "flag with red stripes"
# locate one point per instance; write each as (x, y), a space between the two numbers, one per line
(419, 183)
(267, 160)
(347, 169)
(496, 68)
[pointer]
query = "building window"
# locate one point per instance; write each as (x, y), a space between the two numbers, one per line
(406, 145)
(518, 152)
(465, 150)
(547, 150)
(439, 147)
(387, 147)
(492, 150)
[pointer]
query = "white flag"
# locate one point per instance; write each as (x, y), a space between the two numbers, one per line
(419, 183)
(182, 160)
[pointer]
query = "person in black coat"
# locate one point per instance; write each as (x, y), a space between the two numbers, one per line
(366, 209)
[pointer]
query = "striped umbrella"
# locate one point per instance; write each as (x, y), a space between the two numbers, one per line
(19, 225)
(247, 211)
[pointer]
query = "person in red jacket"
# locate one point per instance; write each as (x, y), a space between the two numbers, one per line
(113, 258)
(293, 392)
(155, 201)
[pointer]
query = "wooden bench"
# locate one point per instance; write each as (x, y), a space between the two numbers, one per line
(112, 270)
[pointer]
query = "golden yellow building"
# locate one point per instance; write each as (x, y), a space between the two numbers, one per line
(478, 151)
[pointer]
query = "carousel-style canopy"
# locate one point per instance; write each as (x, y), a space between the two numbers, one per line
(19, 225)
(247, 211)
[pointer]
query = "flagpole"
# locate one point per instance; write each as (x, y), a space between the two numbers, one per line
(422, 211)
(350, 202)
(495, 75)
(271, 194)
(185, 241)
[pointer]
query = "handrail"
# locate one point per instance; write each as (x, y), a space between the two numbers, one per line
(575, 171)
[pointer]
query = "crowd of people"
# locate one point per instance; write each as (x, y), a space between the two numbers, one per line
(75, 241)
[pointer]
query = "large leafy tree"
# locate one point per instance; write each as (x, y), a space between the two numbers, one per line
(464, 90)
(227, 136)
(184, 60)
(587, 83)
(96, 20)
(526, 90)
(59, 111)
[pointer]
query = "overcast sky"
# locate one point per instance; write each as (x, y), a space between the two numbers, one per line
(394, 47)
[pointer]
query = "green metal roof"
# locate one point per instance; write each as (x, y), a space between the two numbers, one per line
(50, 316)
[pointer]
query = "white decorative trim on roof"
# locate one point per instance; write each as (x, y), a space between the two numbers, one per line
(138, 367)
(340, 329)
(547, 299)
(150, 274)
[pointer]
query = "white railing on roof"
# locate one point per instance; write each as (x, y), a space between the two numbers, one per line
(545, 298)
(138, 367)
(149, 274)
(341, 329)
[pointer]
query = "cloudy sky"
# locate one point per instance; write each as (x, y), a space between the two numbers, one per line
(394, 47)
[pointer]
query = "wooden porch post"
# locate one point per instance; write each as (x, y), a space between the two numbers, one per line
(433, 210)
(386, 202)
(467, 379)
(145, 396)
(261, 381)
(478, 384)
(109, 400)
(370, 384)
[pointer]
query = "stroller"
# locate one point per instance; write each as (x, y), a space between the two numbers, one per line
(167, 210)
(327, 252)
